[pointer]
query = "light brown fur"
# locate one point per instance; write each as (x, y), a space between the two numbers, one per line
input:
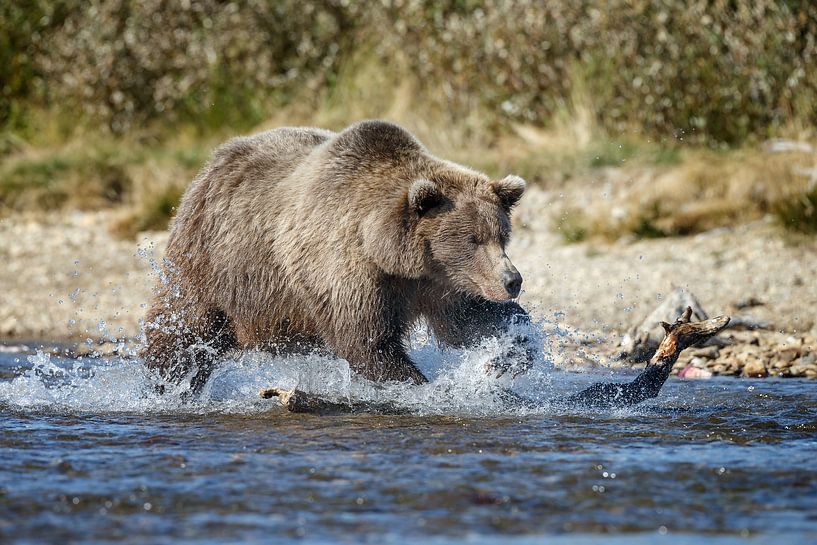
(341, 240)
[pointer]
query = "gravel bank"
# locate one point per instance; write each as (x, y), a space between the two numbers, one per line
(67, 278)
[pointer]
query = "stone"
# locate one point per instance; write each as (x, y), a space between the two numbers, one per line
(708, 352)
(788, 354)
(779, 363)
(755, 368)
(641, 341)
(9, 327)
(692, 372)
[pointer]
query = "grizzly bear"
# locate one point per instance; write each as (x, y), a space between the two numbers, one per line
(302, 237)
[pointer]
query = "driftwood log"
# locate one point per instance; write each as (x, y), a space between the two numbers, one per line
(678, 335)
(641, 342)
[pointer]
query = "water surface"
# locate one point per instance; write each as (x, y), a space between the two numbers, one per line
(90, 453)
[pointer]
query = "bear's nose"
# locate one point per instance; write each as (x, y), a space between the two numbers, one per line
(513, 282)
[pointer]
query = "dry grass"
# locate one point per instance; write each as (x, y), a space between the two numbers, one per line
(621, 186)
(617, 187)
(142, 178)
(701, 191)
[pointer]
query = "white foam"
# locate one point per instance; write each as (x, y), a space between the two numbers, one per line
(459, 382)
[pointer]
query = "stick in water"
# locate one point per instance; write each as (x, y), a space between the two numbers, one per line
(679, 335)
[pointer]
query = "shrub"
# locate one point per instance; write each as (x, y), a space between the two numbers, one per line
(798, 212)
(719, 72)
(212, 63)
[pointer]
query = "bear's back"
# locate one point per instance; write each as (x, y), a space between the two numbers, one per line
(218, 206)
(277, 152)
(241, 168)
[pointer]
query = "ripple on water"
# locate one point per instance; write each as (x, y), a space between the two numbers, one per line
(91, 452)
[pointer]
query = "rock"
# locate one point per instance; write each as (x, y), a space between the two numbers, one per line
(640, 343)
(755, 368)
(783, 373)
(748, 322)
(719, 369)
(700, 363)
(748, 303)
(707, 352)
(779, 363)
(9, 327)
(692, 372)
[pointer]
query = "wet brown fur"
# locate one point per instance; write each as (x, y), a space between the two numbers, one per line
(301, 236)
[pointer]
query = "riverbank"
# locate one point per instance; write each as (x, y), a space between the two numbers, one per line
(66, 277)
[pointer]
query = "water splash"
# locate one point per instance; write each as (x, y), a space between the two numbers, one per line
(459, 382)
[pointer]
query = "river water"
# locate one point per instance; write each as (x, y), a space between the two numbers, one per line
(91, 453)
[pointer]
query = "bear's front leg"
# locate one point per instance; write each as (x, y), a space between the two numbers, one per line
(468, 320)
(381, 361)
(182, 338)
(370, 331)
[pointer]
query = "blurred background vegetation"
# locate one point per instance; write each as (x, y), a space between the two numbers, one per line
(116, 104)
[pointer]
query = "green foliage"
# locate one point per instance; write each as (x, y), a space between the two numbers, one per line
(715, 72)
(210, 63)
(798, 212)
(572, 225)
(645, 228)
(22, 26)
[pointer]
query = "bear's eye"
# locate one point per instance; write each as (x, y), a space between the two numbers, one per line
(472, 239)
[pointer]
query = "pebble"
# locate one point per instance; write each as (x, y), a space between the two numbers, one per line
(45, 260)
(755, 369)
(756, 354)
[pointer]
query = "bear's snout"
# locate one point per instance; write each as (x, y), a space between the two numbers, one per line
(512, 281)
(496, 279)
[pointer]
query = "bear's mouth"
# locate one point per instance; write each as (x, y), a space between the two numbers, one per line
(490, 291)
(496, 295)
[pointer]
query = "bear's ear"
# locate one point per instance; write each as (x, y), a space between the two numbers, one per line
(509, 190)
(424, 195)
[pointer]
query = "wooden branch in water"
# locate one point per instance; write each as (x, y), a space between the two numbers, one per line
(679, 335)
(298, 401)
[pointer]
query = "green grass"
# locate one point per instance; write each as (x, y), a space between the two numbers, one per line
(572, 226)
(88, 177)
(143, 178)
(798, 212)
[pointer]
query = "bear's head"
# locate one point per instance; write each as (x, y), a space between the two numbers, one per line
(463, 223)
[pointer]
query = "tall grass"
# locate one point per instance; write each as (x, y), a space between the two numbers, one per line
(719, 71)
(115, 103)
